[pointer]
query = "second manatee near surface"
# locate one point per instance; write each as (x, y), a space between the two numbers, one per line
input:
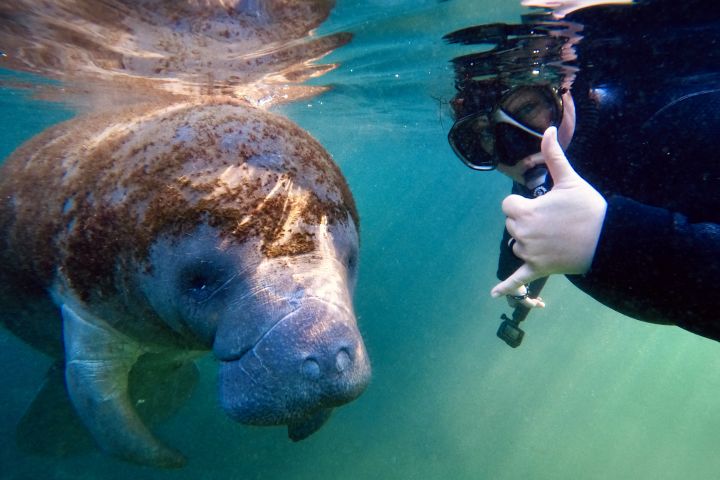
(161, 232)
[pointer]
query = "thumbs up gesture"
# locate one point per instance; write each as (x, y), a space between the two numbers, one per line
(557, 232)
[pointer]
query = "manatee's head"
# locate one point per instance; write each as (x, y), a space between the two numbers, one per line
(258, 262)
(283, 328)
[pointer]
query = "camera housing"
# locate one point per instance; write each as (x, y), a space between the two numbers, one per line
(510, 332)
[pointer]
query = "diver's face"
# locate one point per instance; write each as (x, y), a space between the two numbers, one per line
(565, 133)
(517, 171)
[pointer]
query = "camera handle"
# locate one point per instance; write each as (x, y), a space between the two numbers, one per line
(537, 182)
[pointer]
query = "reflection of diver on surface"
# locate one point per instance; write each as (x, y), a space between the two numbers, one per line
(644, 111)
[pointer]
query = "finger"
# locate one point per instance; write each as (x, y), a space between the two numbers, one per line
(533, 303)
(514, 205)
(513, 241)
(555, 159)
(523, 275)
(527, 302)
(518, 250)
(517, 296)
(521, 291)
(511, 227)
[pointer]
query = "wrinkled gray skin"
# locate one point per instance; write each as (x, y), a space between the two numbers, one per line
(280, 324)
(284, 331)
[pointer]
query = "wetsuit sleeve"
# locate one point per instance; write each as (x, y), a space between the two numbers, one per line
(653, 264)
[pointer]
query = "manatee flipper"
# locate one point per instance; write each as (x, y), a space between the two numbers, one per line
(304, 428)
(160, 387)
(50, 425)
(98, 360)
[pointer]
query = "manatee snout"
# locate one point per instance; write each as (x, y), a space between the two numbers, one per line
(312, 360)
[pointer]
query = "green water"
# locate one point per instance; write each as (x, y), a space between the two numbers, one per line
(589, 395)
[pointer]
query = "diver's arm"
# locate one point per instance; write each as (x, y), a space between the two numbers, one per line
(655, 265)
(646, 262)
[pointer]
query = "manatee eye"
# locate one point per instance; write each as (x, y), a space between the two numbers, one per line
(202, 281)
(198, 287)
(352, 261)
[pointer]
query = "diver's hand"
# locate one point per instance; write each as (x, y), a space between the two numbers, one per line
(520, 297)
(565, 7)
(557, 232)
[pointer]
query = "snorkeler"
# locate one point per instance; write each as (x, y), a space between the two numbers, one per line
(632, 218)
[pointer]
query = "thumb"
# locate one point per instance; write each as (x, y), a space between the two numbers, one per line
(555, 159)
(522, 276)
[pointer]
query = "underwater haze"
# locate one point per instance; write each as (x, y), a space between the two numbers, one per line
(590, 394)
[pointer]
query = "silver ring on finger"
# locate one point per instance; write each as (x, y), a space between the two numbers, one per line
(522, 297)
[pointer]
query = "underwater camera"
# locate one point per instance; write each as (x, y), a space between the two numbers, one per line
(510, 331)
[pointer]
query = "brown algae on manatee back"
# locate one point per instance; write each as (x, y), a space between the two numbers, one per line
(127, 178)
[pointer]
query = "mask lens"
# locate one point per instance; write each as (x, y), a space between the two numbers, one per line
(472, 140)
(513, 144)
(482, 142)
(536, 107)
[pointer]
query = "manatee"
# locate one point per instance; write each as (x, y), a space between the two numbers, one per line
(134, 241)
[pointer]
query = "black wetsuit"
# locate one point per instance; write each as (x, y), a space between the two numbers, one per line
(648, 139)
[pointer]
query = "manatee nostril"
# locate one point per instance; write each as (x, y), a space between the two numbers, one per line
(311, 369)
(342, 360)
